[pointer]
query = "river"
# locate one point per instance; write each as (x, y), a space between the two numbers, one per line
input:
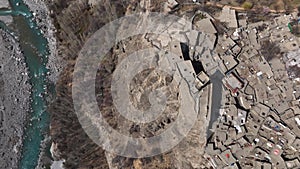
(35, 48)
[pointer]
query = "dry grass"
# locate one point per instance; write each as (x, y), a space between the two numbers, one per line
(272, 4)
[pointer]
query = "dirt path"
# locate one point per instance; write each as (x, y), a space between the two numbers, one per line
(241, 9)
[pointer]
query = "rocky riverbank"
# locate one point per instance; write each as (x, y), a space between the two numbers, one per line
(5, 19)
(45, 23)
(54, 64)
(14, 100)
(15, 88)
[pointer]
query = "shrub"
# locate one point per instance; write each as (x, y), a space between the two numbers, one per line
(247, 5)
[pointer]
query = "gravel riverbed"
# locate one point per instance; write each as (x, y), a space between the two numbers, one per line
(14, 83)
(44, 21)
(14, 100)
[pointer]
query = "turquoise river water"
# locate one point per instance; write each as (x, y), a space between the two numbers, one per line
(35, 48)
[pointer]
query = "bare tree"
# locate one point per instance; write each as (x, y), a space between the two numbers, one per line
(269, 50)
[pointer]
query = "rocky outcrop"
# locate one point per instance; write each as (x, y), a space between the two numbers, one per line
(76, 21)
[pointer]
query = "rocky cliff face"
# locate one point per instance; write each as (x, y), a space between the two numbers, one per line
(76, 21)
